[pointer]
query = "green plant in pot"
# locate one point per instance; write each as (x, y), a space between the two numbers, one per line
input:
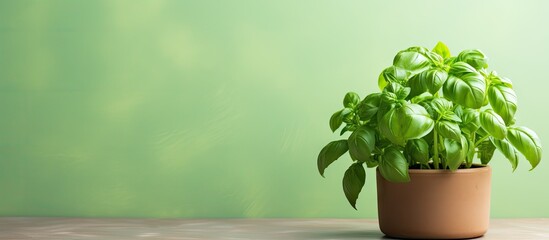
(435, 116)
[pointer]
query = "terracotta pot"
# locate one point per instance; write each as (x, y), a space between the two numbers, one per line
(436, 204)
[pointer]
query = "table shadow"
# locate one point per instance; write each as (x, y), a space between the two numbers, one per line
(351, 234)
(344, 234)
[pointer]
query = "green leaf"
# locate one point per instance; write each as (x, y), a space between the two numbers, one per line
(526, 142)
(455, 152)
(392, 74)
(346, 111)
(417, 85)
(503, 101)
(448, 129)
(429, 108)
(393, 166)
(450, 61)
(486, 151)
(388, 97)
(422, 50)
(348, 116)
(442, 50)
(451, 116)
(481, 132)
(465, 86)
(331, 152)
(361, 143)
(430, 80)
(505, 81)
(403, 93)
(443, 109)
(410, 121)
(336, 120)
(368, 108)
(435, 59)
(442, 105)
(470, 122)
(508, 151)
(353, 181)
(351, 100)
(435, 80)
(474, 57)
(493, 124)
(422, 97)
(346, 128)
(412, 60)
(494, 79)
(400, 92)
(385, 105)
(372, 162)
(470, 153)
(418, 150)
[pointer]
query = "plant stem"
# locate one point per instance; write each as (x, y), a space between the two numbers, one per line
(444, 161)
(481, 140)
(357, 121)
(435, 156)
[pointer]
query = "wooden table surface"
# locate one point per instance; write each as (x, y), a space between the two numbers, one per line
(120, 229)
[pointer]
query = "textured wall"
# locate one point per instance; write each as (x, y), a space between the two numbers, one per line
(219, 108)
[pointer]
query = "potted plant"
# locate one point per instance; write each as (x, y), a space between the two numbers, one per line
(434, 113)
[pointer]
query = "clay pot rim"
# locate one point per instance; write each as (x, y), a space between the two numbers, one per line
(479, 168)
(476, 169)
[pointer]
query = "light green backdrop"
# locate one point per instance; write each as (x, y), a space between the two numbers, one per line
(219, 108)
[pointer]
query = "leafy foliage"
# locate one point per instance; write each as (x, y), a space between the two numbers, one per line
(393, 165)
(353, 181)
(434, 111)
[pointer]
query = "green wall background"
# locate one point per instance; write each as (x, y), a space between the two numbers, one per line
(219, 108)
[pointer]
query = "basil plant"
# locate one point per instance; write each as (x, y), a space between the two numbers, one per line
(434, 111)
